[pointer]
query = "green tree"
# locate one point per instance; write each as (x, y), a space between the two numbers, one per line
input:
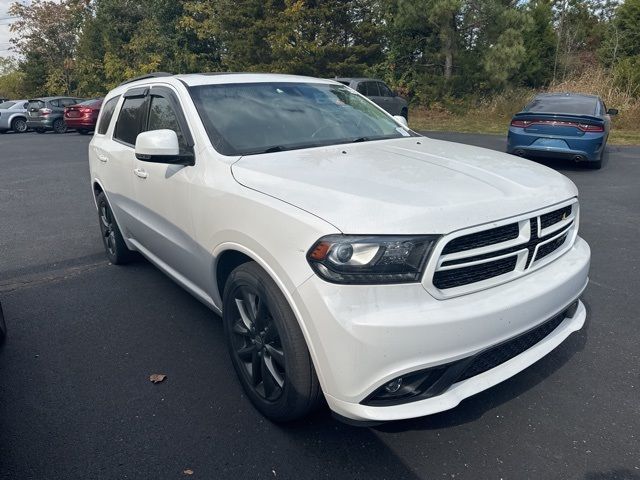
(46, 33)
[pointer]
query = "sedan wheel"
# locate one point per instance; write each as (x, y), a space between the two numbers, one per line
(59, 126)
(19, 125)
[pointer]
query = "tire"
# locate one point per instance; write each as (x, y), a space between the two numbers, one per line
(597, 165)
(267, 348)
(3, 326)
(82, 131)
(117, 251)
(40, 130)
(19, 125)
(59, 126)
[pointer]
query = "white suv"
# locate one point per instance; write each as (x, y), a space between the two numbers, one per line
(351, 259)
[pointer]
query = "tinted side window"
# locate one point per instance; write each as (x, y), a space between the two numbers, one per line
(130, 120)
(162, 116)
(107, 114)
(55, 103)
(372, 89)
(362, 88)
(384, 90)
(67, 102)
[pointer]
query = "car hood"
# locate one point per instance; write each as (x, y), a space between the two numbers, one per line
(415, 185)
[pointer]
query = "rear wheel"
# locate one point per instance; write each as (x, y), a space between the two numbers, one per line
(267, 348)
(59, 126)
(3, 326)
(117, 251)
(19, 125)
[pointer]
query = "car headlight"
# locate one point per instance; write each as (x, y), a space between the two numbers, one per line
(371, 259)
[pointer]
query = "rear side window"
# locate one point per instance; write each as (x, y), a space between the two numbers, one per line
(130, 120)
(372, 89)
(67, 102)
(55, 103)
(384, 90)
(107, 115)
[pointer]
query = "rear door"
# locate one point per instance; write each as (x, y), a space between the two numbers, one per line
(165, 227)
(113, 146)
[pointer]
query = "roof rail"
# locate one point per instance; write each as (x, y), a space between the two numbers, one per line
(148, 75)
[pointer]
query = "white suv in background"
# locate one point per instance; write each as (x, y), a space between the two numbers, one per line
(351, 259)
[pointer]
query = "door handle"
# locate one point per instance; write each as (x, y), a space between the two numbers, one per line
(103, 158)
(140, 173)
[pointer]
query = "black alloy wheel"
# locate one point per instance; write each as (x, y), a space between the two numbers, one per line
(114, 245)
(267, 347)
(256, 343)
(19, 125)
(59, 126)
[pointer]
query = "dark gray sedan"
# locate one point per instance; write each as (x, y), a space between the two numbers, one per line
(378, 92)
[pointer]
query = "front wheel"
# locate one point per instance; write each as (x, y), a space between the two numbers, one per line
(267, 348)
(117, 251)
(59, 126)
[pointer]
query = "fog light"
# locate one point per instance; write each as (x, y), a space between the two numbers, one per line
(394, 385)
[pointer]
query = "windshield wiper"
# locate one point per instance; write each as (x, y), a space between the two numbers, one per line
(361, 139)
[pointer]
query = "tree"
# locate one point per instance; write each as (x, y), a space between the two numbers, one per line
(46, 32)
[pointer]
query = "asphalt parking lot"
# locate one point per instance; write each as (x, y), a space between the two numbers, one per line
(84, 336)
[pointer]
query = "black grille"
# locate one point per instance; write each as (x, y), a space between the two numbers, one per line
(474, 273)
(554, 217)
(551, 247)
(511, 348)
(482, 239)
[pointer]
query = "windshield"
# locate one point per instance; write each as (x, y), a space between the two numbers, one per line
(557, 104)
(6, 105)
(252, 118)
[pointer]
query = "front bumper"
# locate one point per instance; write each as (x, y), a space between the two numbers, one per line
(362, 337)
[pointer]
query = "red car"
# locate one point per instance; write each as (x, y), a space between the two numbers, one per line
(83, 116)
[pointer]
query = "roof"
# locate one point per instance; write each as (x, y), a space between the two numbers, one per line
(356, 79)
(215, 78)
(566, 95)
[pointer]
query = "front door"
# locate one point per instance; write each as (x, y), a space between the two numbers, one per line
(164, 228)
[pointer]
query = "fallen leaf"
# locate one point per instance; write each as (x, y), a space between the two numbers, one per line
(188, 472)
(157, 377)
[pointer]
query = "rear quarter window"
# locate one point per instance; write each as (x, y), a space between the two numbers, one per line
(107, 114)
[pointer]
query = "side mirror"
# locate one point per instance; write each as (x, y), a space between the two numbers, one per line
(612, 111)
(160, 146)
(401, 120)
